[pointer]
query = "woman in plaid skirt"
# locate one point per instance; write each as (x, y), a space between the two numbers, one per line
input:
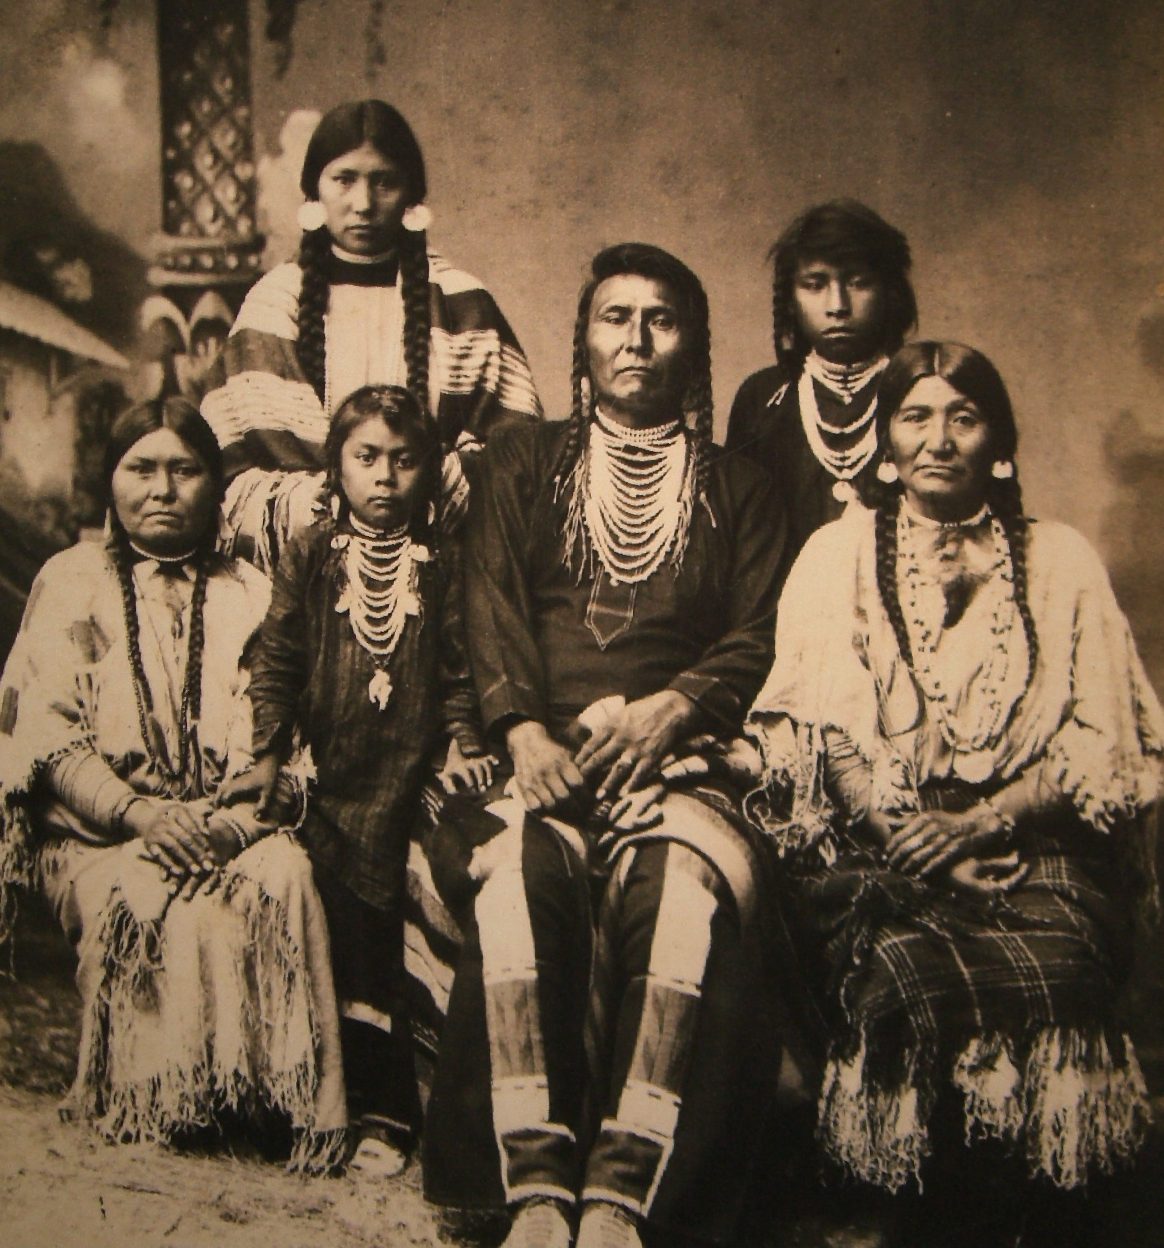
(959, 755)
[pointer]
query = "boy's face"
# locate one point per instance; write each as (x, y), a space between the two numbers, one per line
(380, 474)
(840, 309)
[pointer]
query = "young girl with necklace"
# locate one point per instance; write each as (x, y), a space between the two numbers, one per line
(842, 303)
(361, 662)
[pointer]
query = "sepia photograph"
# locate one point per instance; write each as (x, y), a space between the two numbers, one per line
(580, 646)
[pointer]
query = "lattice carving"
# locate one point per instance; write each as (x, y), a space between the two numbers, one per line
(208, 169)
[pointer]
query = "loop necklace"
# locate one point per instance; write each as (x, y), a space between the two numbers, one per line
(845, 462)
(633, 493)
(380, 594)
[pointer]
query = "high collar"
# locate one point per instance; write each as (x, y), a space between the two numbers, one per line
(344, 268)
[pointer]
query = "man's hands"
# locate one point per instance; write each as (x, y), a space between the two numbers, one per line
(545, 772)
(623, 754)
(629, 747)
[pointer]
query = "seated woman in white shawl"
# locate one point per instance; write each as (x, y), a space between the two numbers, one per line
(960, 755)
(203, 962)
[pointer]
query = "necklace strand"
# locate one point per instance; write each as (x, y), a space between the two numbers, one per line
(844, 380)
(379, 596)
(637, 489)
(923, 636)
(842, 463)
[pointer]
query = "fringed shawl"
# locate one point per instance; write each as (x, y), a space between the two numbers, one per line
(1089, 711)
(67, 689)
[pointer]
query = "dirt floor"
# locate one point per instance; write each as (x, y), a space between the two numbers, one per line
(61, 1187)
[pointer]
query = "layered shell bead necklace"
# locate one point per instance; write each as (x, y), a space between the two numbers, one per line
(382, 572)
(933, 571)
(638, 490)
(842, 450)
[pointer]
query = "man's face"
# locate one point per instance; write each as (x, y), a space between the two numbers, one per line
(840, 309)
(638, 349)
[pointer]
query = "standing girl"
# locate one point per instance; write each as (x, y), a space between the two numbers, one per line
(361, 660)
(366, 303)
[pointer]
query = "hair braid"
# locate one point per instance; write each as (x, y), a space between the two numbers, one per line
(192, 692)
(701, 412)
(885, 534)
(311, 345)
(123, 565)
(1006, 501)
(579, 413)
(417, 313)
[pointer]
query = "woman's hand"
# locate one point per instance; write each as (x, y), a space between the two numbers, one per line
(936, 839)
(259, 783)
(544, 771)
(461, 772)
(988, 877)
(174, 837)
(627, 749)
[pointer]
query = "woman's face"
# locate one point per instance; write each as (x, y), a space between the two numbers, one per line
(163, 494)
(364, 195)
(942, 446)
(380, 474)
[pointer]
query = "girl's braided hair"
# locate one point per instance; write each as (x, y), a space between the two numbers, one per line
(342, 130)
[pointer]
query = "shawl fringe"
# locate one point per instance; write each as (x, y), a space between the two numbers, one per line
(192, 1093)
(1072, 1105)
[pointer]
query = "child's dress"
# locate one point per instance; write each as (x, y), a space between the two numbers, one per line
(373, 713)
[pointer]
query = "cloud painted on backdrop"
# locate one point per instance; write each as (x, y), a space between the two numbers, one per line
(279, 194)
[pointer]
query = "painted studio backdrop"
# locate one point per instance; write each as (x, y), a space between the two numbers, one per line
(1018, 145)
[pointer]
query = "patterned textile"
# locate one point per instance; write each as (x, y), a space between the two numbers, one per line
(310, 682)
(648, 1081)
(190, 1007)
(272, 425)
(1011, 1000)
(612, 1107)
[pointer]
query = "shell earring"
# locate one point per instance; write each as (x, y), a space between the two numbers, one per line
(887, 472)
(333, 505)
(1002, 469)
(584, 391)
(312, 215)
(417, 218)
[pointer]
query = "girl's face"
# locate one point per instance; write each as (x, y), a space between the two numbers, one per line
(163, 494)
(380, 474)
(364, 195)
(942, 447)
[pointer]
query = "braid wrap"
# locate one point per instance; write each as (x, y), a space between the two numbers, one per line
(311, 344)
(417, 313)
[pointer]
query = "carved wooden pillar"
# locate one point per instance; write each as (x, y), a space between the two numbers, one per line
(209, 251)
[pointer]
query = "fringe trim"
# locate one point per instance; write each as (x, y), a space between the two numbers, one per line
(1072, 1106)
(319, 1153)
(193, 1095)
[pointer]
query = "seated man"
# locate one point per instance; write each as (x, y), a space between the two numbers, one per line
(610, 1040)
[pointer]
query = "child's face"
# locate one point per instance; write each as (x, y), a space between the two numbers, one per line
(841, 309)
(379, 474)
